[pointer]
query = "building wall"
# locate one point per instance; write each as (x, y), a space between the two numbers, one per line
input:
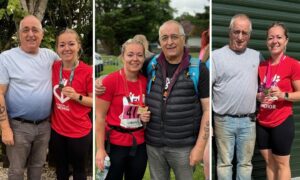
(262, 14)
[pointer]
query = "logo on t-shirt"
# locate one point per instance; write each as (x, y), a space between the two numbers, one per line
(58, 94)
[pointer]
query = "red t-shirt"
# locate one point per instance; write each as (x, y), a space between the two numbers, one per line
(70, 118)
(116, 94)
(275, 112)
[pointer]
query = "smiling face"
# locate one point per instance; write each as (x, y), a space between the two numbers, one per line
(133, 57)
(276, 40)
(68, 46)
(239, 34)
(172, 42)
(30, 34)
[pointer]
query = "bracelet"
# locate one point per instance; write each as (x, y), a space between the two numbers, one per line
(80, 97)
(286, 95)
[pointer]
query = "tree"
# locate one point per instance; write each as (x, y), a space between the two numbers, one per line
(55, 15)
(119, 20)
(200, 22)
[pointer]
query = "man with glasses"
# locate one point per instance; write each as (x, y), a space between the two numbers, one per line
(234, 88)
(25, 100)
(179, 126)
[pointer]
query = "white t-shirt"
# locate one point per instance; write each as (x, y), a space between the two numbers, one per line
(28, 80)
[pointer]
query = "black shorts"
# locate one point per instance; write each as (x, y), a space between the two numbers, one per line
(279, 139)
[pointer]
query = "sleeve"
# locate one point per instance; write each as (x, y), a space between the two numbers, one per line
(261, 58)
(295, 70)
(203, 85)
(213, 70)
(4, 76)
(53, 56)
(110, 83)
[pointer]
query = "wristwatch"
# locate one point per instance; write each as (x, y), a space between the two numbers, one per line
(286, 95)
(80, 98)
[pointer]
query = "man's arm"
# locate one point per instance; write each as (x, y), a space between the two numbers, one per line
(196, 154)
(7, 134)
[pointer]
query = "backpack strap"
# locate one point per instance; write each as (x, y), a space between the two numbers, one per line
(151, 71)
(194, 72)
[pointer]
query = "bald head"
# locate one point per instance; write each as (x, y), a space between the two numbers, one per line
(30, 34)
(167, 23)
(31, 18)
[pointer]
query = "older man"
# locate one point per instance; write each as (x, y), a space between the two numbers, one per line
(25, 99)
(234, 80)
(179, 126)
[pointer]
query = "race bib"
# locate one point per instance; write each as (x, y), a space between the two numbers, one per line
(130, 117)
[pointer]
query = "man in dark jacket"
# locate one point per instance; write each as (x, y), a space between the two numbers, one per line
(179, 126)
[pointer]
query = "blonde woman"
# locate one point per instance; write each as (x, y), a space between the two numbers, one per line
(120, 115)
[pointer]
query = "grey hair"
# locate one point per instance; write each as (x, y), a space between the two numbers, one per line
(40, 24)
(242, 16)
(181, 30)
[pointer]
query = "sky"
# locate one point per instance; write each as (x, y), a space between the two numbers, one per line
(190, 6)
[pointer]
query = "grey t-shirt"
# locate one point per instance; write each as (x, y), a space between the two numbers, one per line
(29, 92)
(234, 80)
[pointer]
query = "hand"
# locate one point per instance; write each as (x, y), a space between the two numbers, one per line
(196, 155)
(276, 92)
(260, 96)
(99, 88)
(8, 136)
(100, 156)
(145, 116)
(70, 92)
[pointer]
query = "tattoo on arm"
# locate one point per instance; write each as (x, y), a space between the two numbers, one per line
(206, 131)
(2, 113)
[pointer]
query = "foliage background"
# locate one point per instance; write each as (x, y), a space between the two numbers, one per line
(55, 16)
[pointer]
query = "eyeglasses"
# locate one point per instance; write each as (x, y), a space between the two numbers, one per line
(238, 32)
(174, 37)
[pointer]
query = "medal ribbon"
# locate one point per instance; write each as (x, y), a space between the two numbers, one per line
(268, 76)
(141, 103)
(71, 76)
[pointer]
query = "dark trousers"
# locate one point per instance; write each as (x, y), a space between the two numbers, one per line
(122, 164)
(70, 151)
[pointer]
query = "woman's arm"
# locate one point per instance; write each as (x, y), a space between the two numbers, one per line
(294, 96)
(102, 107)
(72, 94)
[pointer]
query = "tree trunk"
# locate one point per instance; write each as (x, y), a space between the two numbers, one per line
(35, 7)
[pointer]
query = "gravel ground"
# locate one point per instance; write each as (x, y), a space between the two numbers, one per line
(48, 173)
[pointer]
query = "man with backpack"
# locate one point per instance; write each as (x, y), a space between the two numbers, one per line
(179, 126)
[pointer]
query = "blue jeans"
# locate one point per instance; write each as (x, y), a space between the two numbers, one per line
(234, 133)
(30, 149)
(162, 159)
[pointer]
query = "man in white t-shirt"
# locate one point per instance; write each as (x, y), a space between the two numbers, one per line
(234, 88)
(25, 100)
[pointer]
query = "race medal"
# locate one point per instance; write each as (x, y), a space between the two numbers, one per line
(60, 86)
(142, 110)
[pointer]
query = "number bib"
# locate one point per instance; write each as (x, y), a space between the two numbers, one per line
(130, 117)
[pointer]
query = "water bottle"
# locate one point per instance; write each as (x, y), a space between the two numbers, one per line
(101, 175)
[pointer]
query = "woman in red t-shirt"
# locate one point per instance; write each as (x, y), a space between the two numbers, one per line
(120, 112)
(72, 82)
(279, 86)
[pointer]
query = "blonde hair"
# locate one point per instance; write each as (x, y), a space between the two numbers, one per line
(131, 41)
